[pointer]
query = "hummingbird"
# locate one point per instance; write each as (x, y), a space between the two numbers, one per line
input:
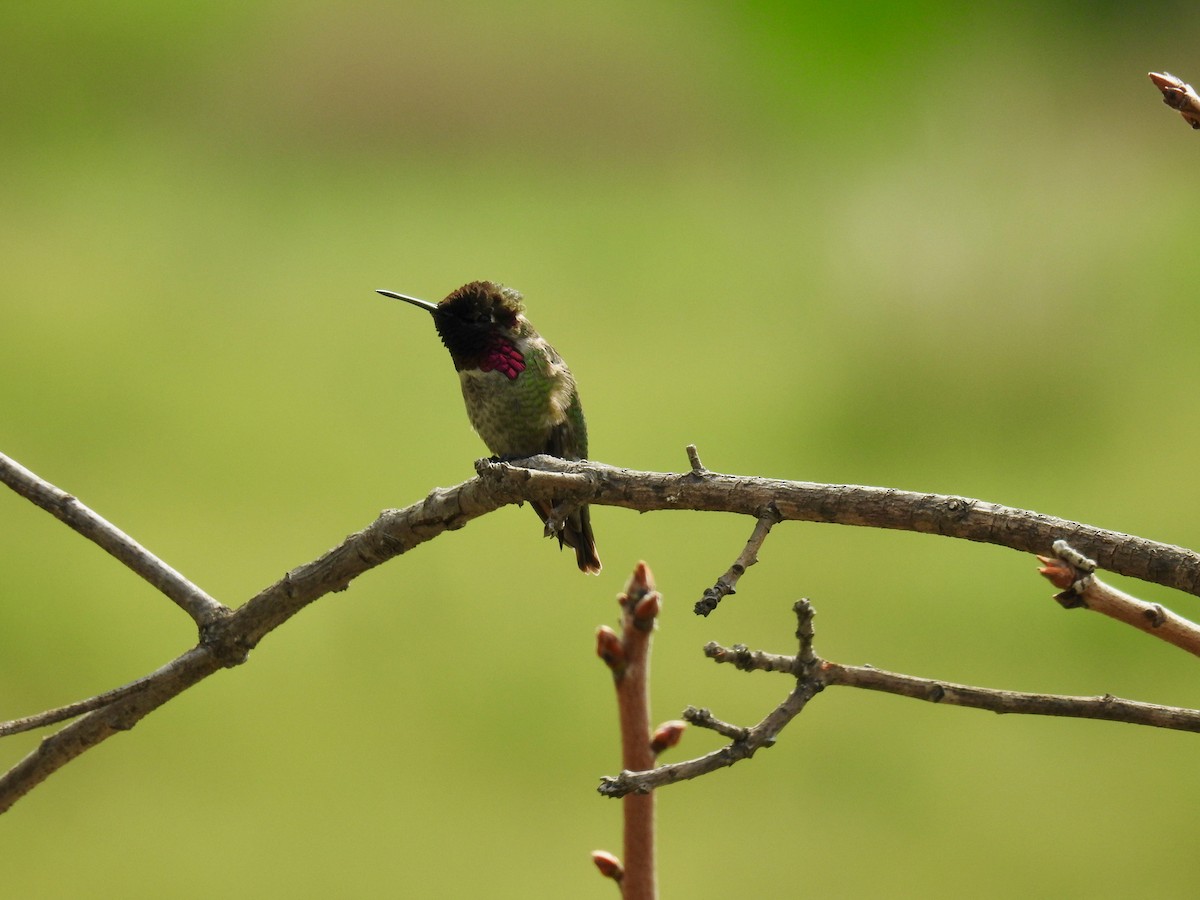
(520, 395)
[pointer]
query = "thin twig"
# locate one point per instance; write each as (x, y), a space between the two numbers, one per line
(1106, 707)
(1081, 589)
(73, 710)
(813, 675)
(757, 736)
(831, 674)
(196, 603)
(70, 741)
(749, 741)
(742, 657)
(703, 718)
(727, 583)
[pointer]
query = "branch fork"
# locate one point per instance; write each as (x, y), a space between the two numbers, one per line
(814, 675)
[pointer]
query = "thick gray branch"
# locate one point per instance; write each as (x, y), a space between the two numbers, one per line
(872, 507)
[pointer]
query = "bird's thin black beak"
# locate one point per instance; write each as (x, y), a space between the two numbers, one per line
(424, 304)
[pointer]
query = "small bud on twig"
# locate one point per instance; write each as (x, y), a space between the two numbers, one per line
(647, 610)
(667, 735)
(1179, 95)
(609, 865)
(641, 582)
(610, 649)
(1057, 572)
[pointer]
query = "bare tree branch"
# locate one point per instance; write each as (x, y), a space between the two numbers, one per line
(226, 637)
(702, 717)
(746, 741)
(727, 583)
(831, 674)
(73, 710)
(227, 640)
(1106, 707)
(813, 675)
(201, 607)
(845, 504)
(756, 737)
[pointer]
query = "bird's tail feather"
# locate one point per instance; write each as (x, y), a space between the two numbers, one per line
(575, 533)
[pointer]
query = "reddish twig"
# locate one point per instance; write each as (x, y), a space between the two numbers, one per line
(1073, 574)
(628, 657)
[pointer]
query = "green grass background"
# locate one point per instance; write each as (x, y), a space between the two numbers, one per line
(931, 246)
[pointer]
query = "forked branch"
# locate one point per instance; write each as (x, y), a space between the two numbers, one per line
(813, 675)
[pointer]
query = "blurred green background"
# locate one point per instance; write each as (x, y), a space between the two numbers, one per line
(933, 246)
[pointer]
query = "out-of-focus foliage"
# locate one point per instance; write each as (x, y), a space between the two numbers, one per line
(933, 246)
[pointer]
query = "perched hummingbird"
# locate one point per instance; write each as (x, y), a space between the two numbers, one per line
(520, 395)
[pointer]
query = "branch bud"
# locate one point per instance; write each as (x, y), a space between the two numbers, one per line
(609, 865)
(610, 649)
(667, 735)
(1057, 572)
(647, 609)
(641, 582)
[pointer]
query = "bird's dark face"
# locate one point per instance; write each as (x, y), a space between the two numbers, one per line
(474, 318)
(479, 324)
